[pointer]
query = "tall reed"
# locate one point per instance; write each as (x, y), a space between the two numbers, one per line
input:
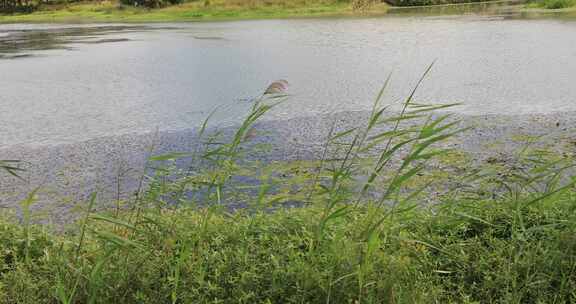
(361, 235)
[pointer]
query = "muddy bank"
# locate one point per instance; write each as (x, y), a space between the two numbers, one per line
(113, 166)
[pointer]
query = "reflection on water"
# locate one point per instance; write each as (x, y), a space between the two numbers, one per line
(20, 43)
(133, 78)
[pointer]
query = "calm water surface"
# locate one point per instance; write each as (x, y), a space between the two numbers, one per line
(66, 83)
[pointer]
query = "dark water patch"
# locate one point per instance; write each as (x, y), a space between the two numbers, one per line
(111, 40)
(208, 38)
(17, 56)
(42, 39)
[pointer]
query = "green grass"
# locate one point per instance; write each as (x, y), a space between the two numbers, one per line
(192, 11)
(218, 10)
(552, 4)
(463, 252)
(364, 231)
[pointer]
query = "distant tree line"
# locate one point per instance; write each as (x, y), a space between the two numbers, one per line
(18, 6)
(28, 6)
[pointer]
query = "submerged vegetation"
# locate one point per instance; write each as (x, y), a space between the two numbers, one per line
(366, 223)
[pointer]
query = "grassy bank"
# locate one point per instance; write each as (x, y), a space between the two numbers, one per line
(193, 11)
(483, 251)
(387, 215)
(552, 4)
(216, 10)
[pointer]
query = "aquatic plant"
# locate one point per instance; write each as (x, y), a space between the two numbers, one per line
(364, 230)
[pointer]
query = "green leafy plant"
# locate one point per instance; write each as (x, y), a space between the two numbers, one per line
(361, 234)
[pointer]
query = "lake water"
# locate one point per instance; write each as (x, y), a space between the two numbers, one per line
(67, 83)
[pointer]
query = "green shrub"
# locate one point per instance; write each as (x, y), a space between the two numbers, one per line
(552, 4)
(557, 4)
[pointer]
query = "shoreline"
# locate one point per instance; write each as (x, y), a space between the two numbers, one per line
(68, 173)
(188, 12)
(107, 12)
